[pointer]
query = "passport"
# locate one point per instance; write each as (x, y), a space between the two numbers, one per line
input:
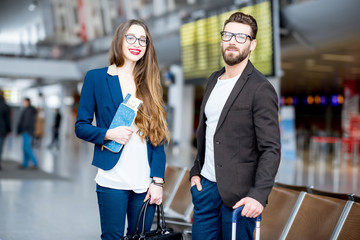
(124, 116)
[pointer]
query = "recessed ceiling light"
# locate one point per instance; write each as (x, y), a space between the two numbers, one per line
(286, 65)
(310, 62)
(319, 68)
(340, 58)
(355, 70)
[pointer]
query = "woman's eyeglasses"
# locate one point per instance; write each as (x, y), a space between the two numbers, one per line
(143, 41)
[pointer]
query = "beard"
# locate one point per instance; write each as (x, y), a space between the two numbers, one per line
(231, 58)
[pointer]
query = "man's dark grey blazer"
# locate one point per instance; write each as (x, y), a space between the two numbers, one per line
(246, 140)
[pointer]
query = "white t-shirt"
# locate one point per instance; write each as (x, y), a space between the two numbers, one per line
(213, 109)
(132, 171)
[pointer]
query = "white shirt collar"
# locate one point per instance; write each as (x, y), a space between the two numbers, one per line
(112, 71)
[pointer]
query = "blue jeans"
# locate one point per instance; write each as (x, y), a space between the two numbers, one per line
(28, 152)
(212, 220)
(114, 205)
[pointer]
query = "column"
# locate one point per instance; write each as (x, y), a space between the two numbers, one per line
(181, 101)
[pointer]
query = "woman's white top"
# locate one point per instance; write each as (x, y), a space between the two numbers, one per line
(213, 109)
(132, 171)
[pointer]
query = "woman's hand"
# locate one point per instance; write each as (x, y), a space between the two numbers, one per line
(155, 193)
(120, 134)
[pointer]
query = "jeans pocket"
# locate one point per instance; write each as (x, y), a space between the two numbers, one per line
(192, 188)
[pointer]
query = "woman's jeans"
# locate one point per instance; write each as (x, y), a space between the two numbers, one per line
(114, 205)
(212, 220)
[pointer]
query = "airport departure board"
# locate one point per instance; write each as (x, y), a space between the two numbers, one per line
(200, 41)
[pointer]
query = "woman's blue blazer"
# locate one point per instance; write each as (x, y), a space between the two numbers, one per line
(101, 95)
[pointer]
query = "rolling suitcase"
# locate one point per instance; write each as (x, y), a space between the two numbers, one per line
(234, 218)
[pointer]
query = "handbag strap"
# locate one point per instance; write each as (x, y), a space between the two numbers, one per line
(161, 225)
(141, 213)
(158, 228)
(142, 234)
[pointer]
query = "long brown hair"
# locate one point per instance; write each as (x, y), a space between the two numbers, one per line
(150, 118)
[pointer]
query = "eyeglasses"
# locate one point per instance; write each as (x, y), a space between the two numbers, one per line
(143, 41)
(239, 37)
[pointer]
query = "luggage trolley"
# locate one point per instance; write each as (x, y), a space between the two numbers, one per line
(234, 218)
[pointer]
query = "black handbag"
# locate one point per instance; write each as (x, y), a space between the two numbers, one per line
(161, 233)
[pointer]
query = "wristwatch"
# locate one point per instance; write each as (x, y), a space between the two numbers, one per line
(158, 183)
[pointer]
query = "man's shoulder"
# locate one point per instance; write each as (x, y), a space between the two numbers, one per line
(257, 77)
(33, 109)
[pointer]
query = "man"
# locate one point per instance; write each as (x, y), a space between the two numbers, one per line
(56, 128)
(26, 127)
(5, 126)
(238, 139)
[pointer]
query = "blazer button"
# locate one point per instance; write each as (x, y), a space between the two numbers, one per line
(217, 142)
(219, 165)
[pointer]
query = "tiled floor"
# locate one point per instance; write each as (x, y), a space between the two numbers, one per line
(52, 209)
(67, 209)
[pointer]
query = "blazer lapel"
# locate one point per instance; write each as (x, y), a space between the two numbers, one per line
(235, 92)
(115, 90)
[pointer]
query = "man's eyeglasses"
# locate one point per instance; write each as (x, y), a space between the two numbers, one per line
(143, 41)
(239, 37)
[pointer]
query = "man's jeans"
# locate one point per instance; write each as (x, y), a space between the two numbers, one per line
(28, 152)
(212, 220)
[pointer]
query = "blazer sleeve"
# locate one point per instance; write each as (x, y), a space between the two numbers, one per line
(266, 123)
(87, 106)
(158, 162)
(196, 169)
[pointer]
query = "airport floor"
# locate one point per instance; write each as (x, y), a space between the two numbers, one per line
(58, 201)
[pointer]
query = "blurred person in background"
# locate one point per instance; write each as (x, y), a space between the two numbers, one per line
(128, 178)
(39, 127)
(55, 130)
(26, 127)
(5, 126)
(238, 139)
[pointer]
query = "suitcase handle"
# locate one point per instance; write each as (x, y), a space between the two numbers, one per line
(238, 210)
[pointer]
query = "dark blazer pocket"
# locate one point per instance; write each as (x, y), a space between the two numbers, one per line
(245, 174)
(239, 121)
(239, 112)
(240, 108)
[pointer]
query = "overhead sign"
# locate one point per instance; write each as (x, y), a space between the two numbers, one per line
(200, 40)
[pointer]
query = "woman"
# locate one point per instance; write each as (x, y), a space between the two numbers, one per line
(128, 178)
